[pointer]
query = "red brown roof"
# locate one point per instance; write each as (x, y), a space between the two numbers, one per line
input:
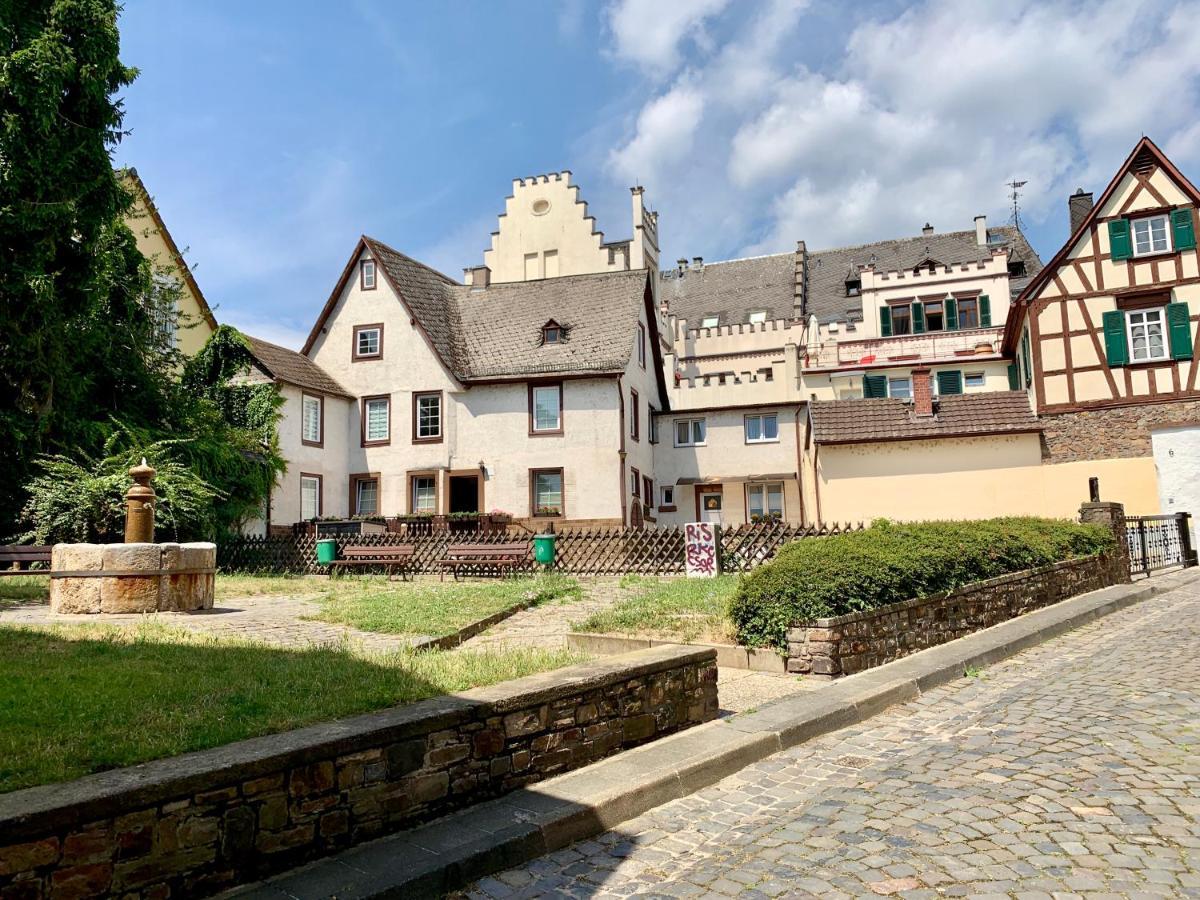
(886, 419)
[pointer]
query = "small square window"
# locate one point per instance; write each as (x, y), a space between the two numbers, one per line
(757, 317)
(368, 341)
(710, 321)
(762, 429)
(974, 379)
(552, 334)
(366, 271)
(1151, 235)
(900, 388)
(689, 432)
(667, 495)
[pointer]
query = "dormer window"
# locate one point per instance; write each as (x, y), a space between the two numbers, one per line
(757, 317)
(1016, 268)
(553, 333)
(711, 321)
(366, 274)
(853, 287)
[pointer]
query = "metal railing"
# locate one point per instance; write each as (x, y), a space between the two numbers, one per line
(1159, 542)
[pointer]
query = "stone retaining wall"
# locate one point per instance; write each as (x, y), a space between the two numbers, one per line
(177, 577)
(198, 823)
(830, 648)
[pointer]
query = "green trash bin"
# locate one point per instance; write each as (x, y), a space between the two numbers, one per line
(326, 551)
(543, 549)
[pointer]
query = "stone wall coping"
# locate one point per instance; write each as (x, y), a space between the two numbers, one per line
(973, 587)
(44, 808)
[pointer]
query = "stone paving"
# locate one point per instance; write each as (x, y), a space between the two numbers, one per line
(1071, 770)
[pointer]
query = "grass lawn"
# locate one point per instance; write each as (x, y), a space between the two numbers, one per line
(681, 608)
(18, 589)
(434, 608)
(85, 698)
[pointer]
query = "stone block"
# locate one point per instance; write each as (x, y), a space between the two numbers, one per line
(23, 857)
(75, 595)
(526, 721)
(88, 845)
(199, 588)
(130, 594)
(88, 880)
(312, 779)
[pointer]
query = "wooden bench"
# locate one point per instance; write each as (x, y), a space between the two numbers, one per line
(499, 557)
(22, 556)
(398, 557)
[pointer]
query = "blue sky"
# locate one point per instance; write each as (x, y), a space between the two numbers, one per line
(273, 133)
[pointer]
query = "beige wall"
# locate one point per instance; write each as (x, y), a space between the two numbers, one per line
(328, 461)
(194, 328)
(726, 458)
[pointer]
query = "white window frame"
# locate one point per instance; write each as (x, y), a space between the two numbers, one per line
(757, 317)
(316, 480)
(762, 431)
(1159, 311)
(437, 433)
(304, 407)
(765, 488)
(376, 402)
(558, 404)
(711, 321)
(416, 505)
(967, 376)
(907, 380)
(1149, 221)
(358, 342)
(691, 428)
(368, 275)
(666, 495)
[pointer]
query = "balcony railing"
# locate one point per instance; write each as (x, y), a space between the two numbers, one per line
(931, 345)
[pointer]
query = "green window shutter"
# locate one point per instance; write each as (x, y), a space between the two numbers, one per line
(1181, 229)
(1116, 346)
(1014, 383)
(874, 385)
(918, 318)
(1120, 245)
(885, 321)
(951, 319)
(1180, 327)
(985, 311)
(949, 381)
(1028, 365)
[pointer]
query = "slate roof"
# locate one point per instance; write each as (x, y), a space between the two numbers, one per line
(427, 291)
(295, 368)
(735, 288)
(886, 419)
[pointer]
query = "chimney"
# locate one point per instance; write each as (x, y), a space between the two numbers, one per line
(922, 391)
(800, 288)
(981, 230)
(927, 230)
(698, 263)
(481, 277)
(682, 263)
(1080, 204)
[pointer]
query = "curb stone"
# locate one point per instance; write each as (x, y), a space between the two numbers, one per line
(465, 846)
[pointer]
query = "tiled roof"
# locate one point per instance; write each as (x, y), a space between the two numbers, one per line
(496, 332)
(293, 368)
(886, 419)
(500, 327)
(737, 287)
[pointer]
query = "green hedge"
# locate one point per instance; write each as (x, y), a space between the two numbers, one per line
(817, 578)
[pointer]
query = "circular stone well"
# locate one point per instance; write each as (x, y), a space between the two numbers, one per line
(132, 578)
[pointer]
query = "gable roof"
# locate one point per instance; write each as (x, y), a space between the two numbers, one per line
(291, 367)
(737, 287)
(139, 189)
(886, 419)
(1144, 150)
(492, 333)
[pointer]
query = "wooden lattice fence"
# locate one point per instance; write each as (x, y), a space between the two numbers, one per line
(582, 551)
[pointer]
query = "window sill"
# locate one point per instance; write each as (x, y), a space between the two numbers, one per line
(1158, 361)
(427, 440)
(689, 446)
(304, 443)
(769, 441)
(370, 358)
(663, 509)
(1155, 254)
(558, 433)
(376, 443)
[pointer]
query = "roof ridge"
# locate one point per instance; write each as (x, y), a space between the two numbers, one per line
(370, 240)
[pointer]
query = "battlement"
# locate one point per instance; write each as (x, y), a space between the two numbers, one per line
(750, 384)
(997, 264)
(533, 180)
(681, 331)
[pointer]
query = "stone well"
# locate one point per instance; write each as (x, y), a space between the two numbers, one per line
(132, 578)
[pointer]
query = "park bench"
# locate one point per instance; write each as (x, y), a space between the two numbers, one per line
(15, 559)
(499, 558)
(397, 558)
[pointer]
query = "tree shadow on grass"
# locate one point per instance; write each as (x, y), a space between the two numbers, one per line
(80, 699)
(23, 590)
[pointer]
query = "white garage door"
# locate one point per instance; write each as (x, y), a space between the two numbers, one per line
(1177, 462)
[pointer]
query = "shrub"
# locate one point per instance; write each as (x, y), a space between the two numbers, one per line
(824, 577)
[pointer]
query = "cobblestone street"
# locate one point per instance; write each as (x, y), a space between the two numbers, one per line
(1070, 770)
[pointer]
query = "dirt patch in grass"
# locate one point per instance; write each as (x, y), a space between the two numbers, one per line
(85, 698)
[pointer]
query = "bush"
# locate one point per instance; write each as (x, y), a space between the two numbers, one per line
(816, 578)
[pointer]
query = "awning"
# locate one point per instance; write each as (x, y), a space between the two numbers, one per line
(737, 479)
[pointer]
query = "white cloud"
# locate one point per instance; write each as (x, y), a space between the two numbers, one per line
(869, 131)
(650, 32)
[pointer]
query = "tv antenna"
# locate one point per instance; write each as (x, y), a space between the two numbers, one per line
(1016, 186)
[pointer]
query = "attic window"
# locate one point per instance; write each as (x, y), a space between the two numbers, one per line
(757, 316)
(710, 321)
(853, 287)
(541, 207)
(366, 273)
(1016, 268)
(553, 333)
